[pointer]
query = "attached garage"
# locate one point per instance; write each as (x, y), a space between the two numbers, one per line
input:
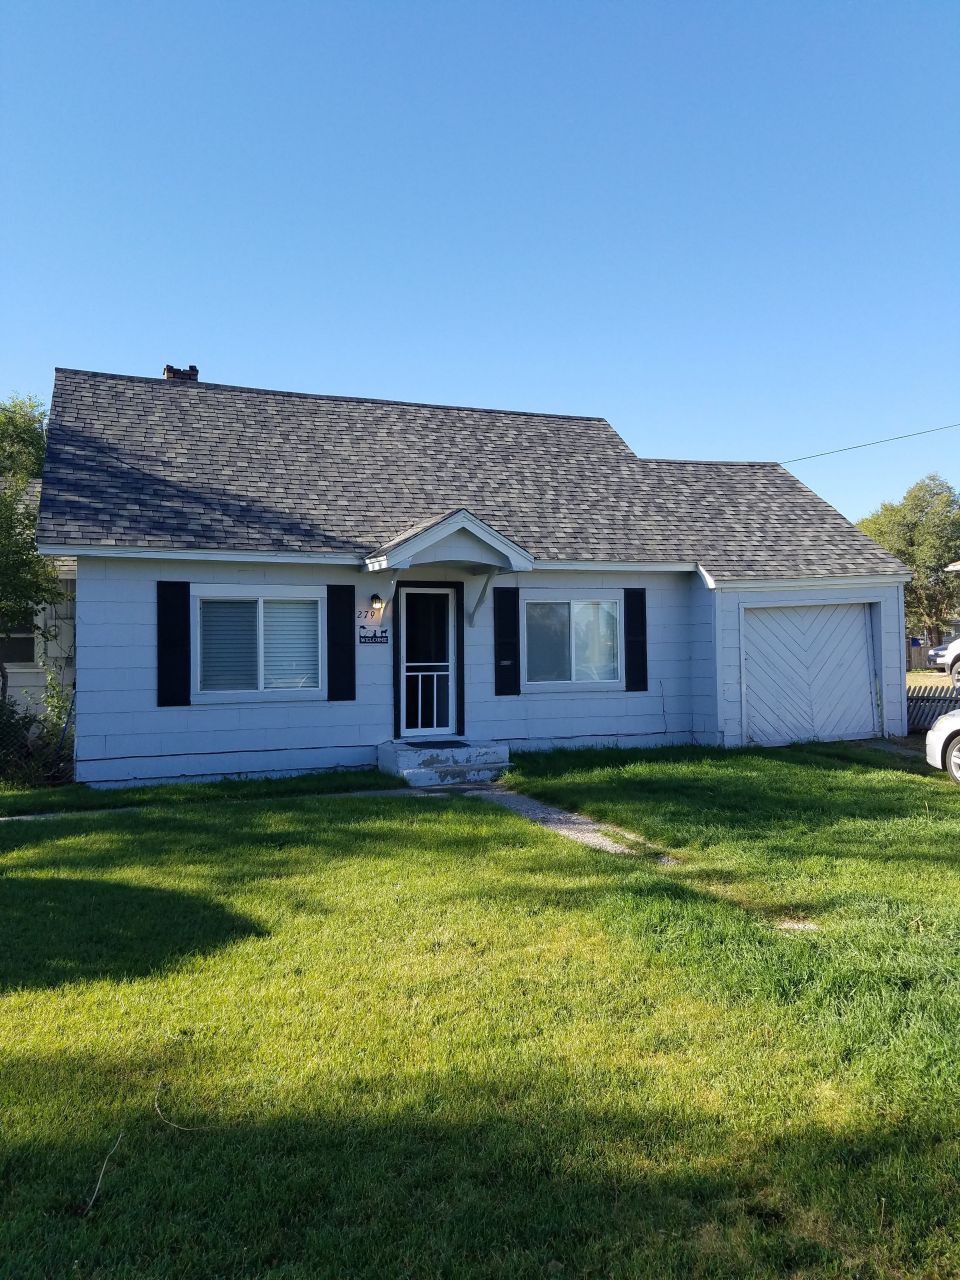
(808, 673)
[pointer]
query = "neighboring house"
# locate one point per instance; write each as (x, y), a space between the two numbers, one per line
(270, 582)
(28, 654)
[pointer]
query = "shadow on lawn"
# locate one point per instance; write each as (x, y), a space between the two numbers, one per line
(54, 931)
(454, 1176)
(227, 849)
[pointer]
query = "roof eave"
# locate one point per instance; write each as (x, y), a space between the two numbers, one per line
(104, 551)
(806, 582)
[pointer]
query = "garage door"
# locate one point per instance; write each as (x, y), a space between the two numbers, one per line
(808, 673)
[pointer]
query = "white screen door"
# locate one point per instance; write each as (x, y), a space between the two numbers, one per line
(427, 661)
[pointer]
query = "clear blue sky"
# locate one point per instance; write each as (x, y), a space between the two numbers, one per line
(729, 227)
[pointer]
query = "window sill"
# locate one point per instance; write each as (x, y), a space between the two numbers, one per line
(573, 687)
(255, 697)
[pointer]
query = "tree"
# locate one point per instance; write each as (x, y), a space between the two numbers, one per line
(22, 437)
(923, 530)
(28, 581)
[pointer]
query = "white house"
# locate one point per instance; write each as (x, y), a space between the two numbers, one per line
(270, 582)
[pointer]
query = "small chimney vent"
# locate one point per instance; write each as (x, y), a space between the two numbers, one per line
(173, 374)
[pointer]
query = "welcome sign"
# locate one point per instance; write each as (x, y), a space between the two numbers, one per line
(374, 635)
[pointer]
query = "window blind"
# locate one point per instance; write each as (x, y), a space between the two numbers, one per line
(228, 644)
(291, 644)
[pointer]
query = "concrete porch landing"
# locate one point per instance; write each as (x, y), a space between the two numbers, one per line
(443, 762)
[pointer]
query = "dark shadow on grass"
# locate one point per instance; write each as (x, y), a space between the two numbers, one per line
(233, 846)
(54, 931)
(713, 944)
(519, 1176)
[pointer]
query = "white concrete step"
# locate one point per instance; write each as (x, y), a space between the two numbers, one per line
(444, 762)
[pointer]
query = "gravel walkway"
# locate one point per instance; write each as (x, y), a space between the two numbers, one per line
(572, 825)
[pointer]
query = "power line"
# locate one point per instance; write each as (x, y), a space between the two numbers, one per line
(870, 443)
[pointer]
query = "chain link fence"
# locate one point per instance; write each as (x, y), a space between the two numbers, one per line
(36, 744)
(35, 749)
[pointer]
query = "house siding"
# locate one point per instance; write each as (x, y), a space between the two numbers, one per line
(694, 658)
(530, 719)
(122, 735)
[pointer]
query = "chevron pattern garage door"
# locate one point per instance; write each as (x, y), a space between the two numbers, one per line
(808, 673)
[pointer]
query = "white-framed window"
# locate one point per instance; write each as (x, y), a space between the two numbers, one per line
(572, 640)
(267, 644)
(19, 648)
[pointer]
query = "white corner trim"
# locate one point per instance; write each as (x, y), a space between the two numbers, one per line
(707, 579)
(400, 556)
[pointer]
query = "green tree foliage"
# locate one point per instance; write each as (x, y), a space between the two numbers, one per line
(28, 581)
(22, 437)
(923, 530)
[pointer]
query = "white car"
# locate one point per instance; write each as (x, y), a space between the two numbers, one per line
(943, 744)
(947, 658)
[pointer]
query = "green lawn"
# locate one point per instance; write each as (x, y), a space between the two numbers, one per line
(420, 1037)
(76, 797)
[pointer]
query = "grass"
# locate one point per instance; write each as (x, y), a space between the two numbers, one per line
(76, 797)
(422, 1037)
(926, 678)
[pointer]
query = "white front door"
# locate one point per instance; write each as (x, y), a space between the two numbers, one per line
(427, 662)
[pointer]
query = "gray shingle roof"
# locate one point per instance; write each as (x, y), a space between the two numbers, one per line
(170, 465)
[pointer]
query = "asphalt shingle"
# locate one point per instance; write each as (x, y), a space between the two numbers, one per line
(171, 465)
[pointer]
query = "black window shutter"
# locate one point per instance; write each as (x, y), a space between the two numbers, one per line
(506, 640)
(635, 638)
(173, 644)
(341, 647)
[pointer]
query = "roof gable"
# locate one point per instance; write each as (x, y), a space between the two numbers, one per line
(457, 535)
